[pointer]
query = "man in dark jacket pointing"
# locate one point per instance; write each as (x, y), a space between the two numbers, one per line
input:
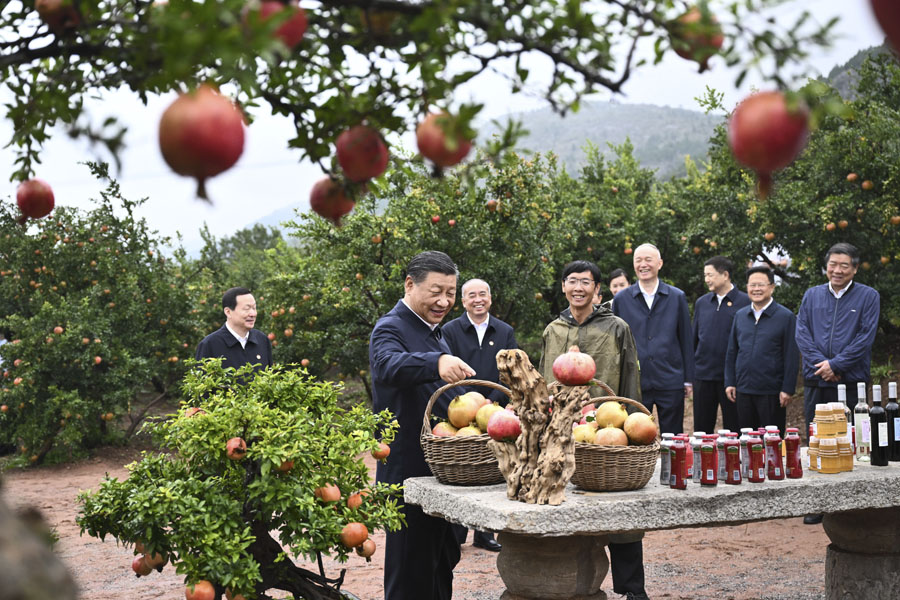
(409, 360)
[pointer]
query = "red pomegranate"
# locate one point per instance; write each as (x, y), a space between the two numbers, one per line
(202, 590)
(329, 200)
(201, 134)
(354, 534)
(361, 153)
(887, 13)
(367, 549)
(765, 134)
(434, 143)
(696, 37)
(35, 199)
(574, 367)
(292, 29)
(140, 567)
(61, 16)
(504, 426)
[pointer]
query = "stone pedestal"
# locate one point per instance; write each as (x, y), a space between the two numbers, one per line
(861, 561)
(552, 568)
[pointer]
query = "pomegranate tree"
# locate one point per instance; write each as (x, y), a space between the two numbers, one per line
(201, 134)
(258, 517)
(329, 200)
(35, 199)
(442, 140)
(696, 35)
(574, 367)
(766, 133)
(361, 153)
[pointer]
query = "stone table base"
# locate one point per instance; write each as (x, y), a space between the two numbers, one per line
(552, 568)
(861, 561)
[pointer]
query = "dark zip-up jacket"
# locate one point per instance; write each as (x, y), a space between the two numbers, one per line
(403, 357)
(762, 355)
(222, 344)
(662, 335)
(463, 341)
(712, 326)
(603, 336)
(840, 331)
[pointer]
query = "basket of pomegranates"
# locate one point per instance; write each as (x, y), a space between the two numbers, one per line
(456, 450)
(615, 451)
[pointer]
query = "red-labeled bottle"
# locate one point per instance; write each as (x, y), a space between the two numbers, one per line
(732, 460)
(756, 472)
(679, 464)
(774, 463)
(709, 461)
(793, 466)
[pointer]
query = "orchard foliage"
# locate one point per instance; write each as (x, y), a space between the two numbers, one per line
(95, 314)
(387, 62)
(214, 518)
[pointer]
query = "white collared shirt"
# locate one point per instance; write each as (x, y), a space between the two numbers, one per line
(430, 326)
(648, 297)
(242, 340)
(722, 297)
(758, 313)
(480, 328)
(841, 292)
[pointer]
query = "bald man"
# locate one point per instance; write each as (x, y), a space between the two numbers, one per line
(661, 324)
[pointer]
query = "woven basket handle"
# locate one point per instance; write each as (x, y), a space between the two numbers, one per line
(602, 385)
(623, 400)
(426, 419)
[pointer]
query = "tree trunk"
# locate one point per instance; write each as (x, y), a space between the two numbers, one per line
(542, 460)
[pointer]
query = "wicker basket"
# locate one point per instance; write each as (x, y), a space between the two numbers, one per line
(460, 460)
(615, 468)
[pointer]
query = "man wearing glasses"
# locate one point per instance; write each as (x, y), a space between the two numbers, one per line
(607, 339)
(762, 358)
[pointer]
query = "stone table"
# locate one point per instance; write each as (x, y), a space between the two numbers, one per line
(556, 552)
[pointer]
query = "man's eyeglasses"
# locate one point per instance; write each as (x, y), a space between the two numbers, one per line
(585, 282)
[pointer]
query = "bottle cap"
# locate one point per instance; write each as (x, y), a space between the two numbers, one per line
(876, 392)
(698, 434)
(861, 389)
(668, 436)
(842, 392)
(892, 389)
(723, 431)
(792, 430)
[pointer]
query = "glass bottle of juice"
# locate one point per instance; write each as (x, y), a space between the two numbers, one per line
(792, 466)
(862, 423)
(774, 464)
(756, 472)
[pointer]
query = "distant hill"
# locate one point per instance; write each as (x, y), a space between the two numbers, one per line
(662, 136)
(844, 77)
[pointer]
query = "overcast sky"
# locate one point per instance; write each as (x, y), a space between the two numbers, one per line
(270, 176)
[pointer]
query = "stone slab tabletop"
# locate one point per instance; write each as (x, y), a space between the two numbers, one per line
(657, 507)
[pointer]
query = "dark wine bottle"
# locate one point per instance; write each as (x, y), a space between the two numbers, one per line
(892, 414)
(880, 441)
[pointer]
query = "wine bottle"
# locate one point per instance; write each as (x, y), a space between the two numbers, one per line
(862, 424)
(892, 414)
(880, 439)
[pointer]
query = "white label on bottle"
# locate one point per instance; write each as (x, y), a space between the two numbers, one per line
(882, 434)
(710, 474)
(897, 429)
(762, 473)
(866, 431)
(736, 475)
(819, 463)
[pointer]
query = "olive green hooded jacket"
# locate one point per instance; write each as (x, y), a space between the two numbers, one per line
(603, 336)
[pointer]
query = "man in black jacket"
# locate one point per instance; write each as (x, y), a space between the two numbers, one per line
(409, 359)
(476, 337)
(236, 341)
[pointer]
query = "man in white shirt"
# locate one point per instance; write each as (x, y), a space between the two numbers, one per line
(236, 341)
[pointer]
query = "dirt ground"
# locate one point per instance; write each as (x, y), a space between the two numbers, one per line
(770, 560)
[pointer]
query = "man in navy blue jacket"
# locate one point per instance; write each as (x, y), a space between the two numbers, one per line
(762, 360)
(661, 324)
(236, 341)
(835, 331)
(409, 360)
(713, 315)
(476, 336)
